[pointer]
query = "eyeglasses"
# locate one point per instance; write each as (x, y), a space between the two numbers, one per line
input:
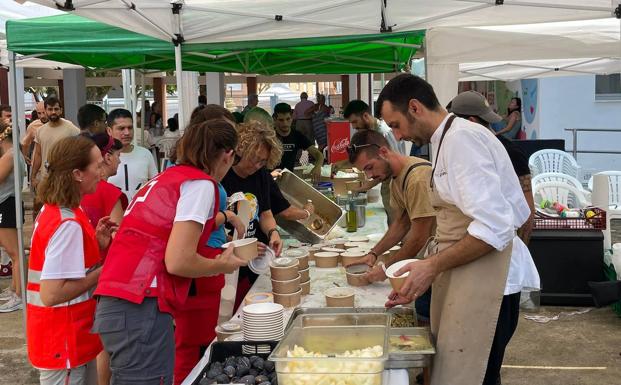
(352, 149)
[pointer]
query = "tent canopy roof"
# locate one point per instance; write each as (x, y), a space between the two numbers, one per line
(77, 40)
(212, 21)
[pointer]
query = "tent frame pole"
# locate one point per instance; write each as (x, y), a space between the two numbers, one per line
(17, 174)
(521, 3)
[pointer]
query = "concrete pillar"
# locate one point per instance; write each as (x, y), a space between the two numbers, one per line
(159, 95)
(17, 106)
(4, 86)
(364, 88)
(344, 90)
(74, 84)
(215, 87)
(353, 87)
(251, 85)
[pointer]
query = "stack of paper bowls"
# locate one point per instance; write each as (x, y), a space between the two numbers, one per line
(263, 322)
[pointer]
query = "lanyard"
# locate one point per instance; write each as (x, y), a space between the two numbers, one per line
(446, 128)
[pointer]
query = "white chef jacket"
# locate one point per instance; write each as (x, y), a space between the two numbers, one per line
(473, 172)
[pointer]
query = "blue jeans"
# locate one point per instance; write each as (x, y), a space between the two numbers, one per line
(422, 306)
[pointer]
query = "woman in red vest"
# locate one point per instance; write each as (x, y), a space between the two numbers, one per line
(64, 267)
(107, 200)
(159, 248)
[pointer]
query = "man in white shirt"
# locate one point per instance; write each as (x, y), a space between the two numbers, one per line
(137, 164)
(477, 266)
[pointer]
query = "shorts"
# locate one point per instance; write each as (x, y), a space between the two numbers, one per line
(139, 339)
(8, 219)
(82, 375)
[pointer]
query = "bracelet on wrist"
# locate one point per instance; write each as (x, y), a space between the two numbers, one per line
(226, 218)
(308, 214)
(373, 253)
(272, 231)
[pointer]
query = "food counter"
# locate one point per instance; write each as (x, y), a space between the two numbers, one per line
(370, 296)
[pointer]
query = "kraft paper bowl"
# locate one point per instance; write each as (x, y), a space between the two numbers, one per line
(340, 297)
(350, 257)
(397, 282)
(301, 255)
(245, 249)
(356, 275)
(286, 287)
(284, 269)
(289, 300)
(304, 274)
(326, 259)
(305, 286)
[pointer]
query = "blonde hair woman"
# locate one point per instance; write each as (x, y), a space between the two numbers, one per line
(257, 151)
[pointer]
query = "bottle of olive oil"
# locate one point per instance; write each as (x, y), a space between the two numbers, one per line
(352, 221)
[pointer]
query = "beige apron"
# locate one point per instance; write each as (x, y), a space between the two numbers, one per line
(465, 303)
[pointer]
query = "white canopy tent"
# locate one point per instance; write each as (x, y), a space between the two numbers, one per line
(209, 21)
(521, 51)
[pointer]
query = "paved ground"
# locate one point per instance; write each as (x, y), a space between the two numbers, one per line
(580, 350)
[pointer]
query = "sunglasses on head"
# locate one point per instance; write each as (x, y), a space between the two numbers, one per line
(352, 149)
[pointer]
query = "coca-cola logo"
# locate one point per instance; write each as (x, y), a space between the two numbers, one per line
(340, 146)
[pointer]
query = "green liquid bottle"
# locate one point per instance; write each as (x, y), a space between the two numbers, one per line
(352, 221)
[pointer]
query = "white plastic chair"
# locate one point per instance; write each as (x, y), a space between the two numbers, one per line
(561, 178)
(560, 192)
(549, 160)
(607, 195)
(614, 188)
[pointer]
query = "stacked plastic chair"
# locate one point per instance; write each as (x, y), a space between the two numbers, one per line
(561, 178)
(548, 160)
(606, 188)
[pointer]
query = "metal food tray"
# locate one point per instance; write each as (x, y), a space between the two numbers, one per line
(346, 310)
(298, 192)
(417, 359)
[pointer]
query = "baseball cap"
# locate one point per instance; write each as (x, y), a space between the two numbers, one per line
(474, 104)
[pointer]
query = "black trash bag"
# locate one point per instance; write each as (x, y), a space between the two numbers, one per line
(605, 293)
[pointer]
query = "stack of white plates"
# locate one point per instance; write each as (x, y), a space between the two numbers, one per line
(262, 322)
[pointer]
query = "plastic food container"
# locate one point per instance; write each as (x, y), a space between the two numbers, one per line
(332, 342)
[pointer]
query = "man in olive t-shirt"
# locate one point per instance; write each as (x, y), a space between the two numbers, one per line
(414, 221)
(47, 135)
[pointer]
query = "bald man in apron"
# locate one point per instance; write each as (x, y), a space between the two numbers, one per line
(479, 206)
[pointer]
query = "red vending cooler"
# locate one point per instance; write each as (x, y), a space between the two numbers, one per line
(338, 140)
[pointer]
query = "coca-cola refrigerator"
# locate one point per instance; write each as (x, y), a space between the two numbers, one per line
(338, 140)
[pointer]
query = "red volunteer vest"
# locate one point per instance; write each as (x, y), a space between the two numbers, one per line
(59, 337)
(137, 253)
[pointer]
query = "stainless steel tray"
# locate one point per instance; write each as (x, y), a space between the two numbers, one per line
(298, 192)
(346, 310)
(417, 359)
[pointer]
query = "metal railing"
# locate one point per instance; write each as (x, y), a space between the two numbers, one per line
(574, 133)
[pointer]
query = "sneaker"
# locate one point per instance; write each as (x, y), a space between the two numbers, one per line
(13, 304)
(6, 271)
(6, 294)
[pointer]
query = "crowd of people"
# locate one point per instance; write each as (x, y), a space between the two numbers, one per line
(126, 263)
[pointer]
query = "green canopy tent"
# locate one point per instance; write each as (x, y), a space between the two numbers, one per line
(74, 39)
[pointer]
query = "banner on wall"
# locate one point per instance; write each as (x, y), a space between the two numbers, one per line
(530, 108)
